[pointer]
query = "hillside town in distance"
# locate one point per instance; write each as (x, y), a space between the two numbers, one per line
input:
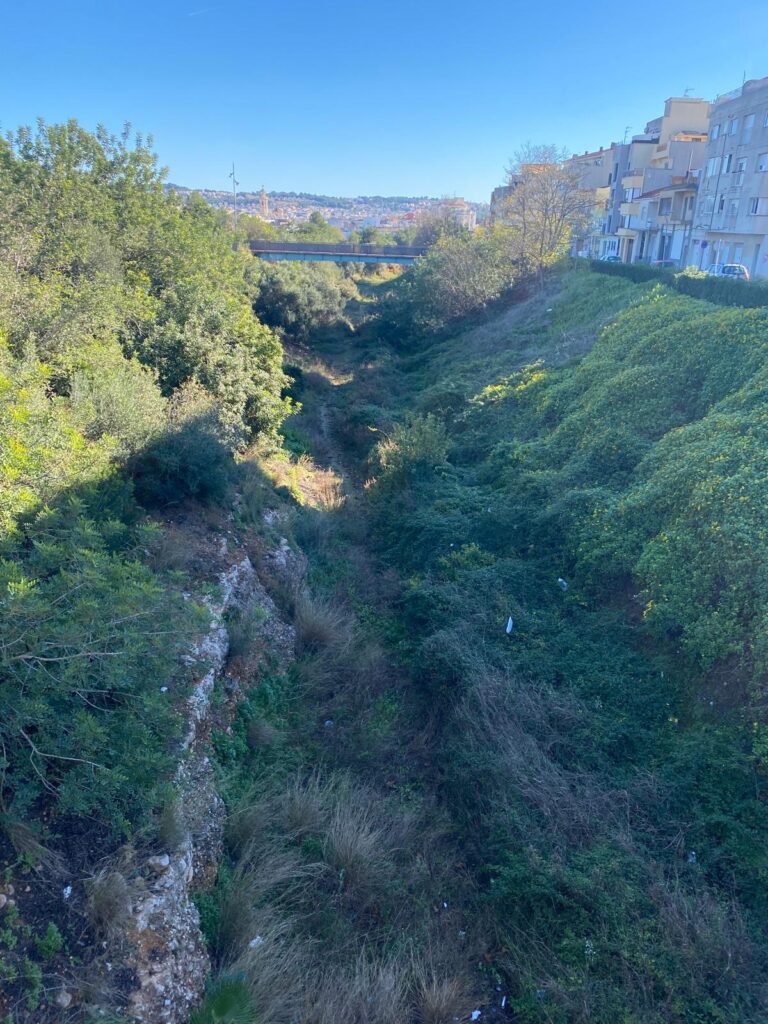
(388, 213)
(691, 190)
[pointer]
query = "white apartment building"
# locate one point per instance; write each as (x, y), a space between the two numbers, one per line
(731, 215)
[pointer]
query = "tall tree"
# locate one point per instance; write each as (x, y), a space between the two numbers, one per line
(546, 204)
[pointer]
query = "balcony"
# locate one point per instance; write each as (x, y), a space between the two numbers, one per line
(629, 209)
(633, 180)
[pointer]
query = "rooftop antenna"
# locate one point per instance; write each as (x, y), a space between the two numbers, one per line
(626, 132)
(688, 89)
(235, 183)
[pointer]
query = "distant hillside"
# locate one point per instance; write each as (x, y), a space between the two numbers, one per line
(338, 202)
(346, 212)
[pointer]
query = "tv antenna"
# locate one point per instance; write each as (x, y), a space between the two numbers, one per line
(626, 132)
(235, 183)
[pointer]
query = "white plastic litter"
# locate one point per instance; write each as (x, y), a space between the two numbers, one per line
(255, 943)
(503, 1002)
(328, 723)
(692, 857)
(510, 625)
(163, 689)
(67, 892)
(477, 1014)
(563, 584)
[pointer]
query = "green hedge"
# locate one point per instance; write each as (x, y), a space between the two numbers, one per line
(637, 272)
(721, 290)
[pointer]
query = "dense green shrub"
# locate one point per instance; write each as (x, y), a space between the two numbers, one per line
(128, 347)
(92, 247)
(722, 290)
(299, 298)
(459, 275)
(88, 634)
(637, 272)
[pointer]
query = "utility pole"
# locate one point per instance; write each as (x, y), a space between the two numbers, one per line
(235, 183)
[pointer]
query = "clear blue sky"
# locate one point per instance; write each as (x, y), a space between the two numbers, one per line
(403, 97)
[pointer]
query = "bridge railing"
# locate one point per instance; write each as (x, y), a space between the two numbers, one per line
(354, 248)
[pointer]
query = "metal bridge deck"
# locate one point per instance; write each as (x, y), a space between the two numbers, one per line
(336, 252)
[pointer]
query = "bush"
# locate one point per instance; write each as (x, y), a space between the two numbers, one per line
(300, 298)
(189, 459)
(419, 444)
(721, 290)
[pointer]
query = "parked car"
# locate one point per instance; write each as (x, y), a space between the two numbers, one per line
(611, 259)
(715, 269)
(737, 270)
(665, 264)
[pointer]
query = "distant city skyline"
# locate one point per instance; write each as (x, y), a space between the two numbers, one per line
(412, 100)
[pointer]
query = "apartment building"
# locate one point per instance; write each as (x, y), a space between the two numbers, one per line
(731, 213)
(650, 208)
(593, 172)
(460, 212)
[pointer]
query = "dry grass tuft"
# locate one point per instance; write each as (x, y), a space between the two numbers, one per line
(303, 806)
(371, 991)
(356, 846)
(440, 1000)
(171, 827)
(321, 625)
(109, 903)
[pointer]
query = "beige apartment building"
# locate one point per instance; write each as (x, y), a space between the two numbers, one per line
(731, 214)
(650, 211)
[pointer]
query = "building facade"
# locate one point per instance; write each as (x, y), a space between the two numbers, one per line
(593, 172)
(731, 215)
(650, 209)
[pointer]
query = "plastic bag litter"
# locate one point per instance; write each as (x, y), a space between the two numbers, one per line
(509, 626)
(563, 584)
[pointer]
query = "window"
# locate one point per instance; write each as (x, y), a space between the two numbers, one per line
(733, 127)
(765, 122)
(721, 202)
(727, 163)
(733, 207)
(715, 133)
(762, 162)
(746, 132)
(758, 206)
(712, 166)
(741, 166)
(665, 207)
(709, 205)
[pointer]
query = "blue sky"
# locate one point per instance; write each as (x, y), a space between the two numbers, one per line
(403, 97)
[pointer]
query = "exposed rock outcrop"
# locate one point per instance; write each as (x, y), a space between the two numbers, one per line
(166, 951)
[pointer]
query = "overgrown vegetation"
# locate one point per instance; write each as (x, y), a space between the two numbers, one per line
(131, 370)
(584, 609)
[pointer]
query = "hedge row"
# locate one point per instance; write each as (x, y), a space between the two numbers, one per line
(721, 290)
